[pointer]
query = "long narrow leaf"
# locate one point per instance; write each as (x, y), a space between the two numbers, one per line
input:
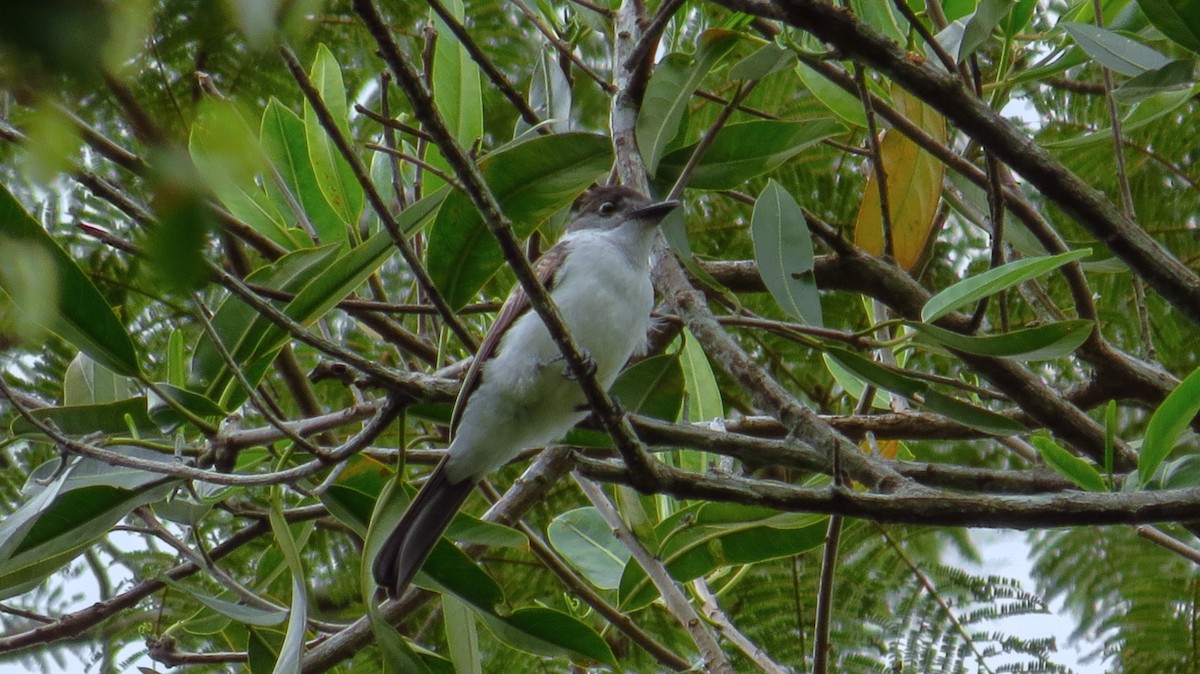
(78, 311)
(784, 252)
(1166, 425)
(993, 281)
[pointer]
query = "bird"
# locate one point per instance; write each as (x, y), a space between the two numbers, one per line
(518, 392)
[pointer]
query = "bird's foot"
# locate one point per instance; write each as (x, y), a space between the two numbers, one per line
(589, 366)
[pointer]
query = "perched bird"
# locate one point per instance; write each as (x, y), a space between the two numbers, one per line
(519, 392)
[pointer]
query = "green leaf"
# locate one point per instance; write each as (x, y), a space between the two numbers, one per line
(292, 649)
(229, 157)
(1113, 50)
(967, 34)
(241, 328)
(544, 631)
(71, 306)
(652, 387)
(1044, 342)
(66, 511)
(1177, 19)
(1156, 106)
(318, 285)
(695, 543)
(767, 59)
(919, 393)
(784, 252)
(462, 637)
(334, 177)
(293, 181)
(743, 151)
(1171, 77)
(1167, 423)
(704, 401)
(197, 403)
(532, 180)
(549, 95)
(87, 382)
(993, 281)
(670, 89)
(77, 420)
(583, 538)
(840, 102)
(456, 86)
(881, 17)
(243, 613)
(1075, 469)
(176, 361)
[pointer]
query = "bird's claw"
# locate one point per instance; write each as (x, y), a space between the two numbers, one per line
(589, 367)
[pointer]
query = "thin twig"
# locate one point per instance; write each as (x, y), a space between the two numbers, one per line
(822, 648)
(713, 658)
(1161, 538)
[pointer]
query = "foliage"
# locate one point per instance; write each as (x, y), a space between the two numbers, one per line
(241, 271)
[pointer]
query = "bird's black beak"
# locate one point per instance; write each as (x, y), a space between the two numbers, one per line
(654, 212)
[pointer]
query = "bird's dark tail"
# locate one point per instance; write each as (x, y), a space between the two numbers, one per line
(418, 530)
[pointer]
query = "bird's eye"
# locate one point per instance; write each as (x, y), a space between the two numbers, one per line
(607, 208)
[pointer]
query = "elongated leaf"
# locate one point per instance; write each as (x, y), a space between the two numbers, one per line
(882, 17)
(293, 639)
(293, 181)
(840, 102)
(919, 393)
(767, 59)
(700, 384)
(1043, 342)
(914, 189)
(967, 34)
(532, 180)
(544, 631)
(100, 418)
(583, 538)
(462, 636)
(456, 86)
(241, 328)
(1177, 19)
(1068, 465)
(243, 613)
(1115, 51)
(670, 89)
(228, 156)
(77, 311)
(1146, 111)
(692, 546)
(59, 519)
(784, 252)
(993, 281)
(333, 174)
(1174, 76)
(549, 96)
(1167, 423)
(743, 151)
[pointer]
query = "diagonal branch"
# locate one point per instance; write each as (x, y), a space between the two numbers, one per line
(425, 110)
(944, 92)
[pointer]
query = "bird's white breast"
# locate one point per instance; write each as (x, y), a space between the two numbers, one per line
(524, 398)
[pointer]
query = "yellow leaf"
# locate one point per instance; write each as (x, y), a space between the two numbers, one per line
(888, 449)
(914, 187)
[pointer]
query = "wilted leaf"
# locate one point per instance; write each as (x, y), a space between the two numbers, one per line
(914, 189)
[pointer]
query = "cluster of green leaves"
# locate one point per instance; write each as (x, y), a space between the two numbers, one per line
(114, 345)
